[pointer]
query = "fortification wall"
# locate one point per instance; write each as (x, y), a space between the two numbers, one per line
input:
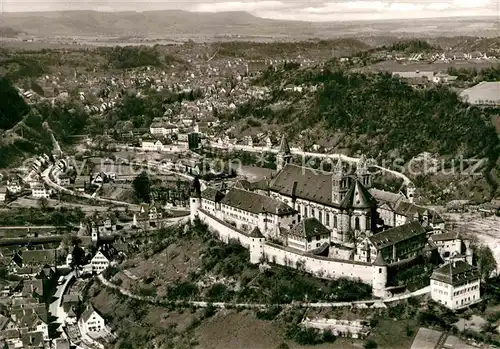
(318, 266)
(225, 231)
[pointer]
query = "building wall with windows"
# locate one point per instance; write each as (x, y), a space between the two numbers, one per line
(455, 297)
(99, 262)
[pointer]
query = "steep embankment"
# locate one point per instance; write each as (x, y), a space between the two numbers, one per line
(21, 128)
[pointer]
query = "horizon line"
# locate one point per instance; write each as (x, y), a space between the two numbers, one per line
(445, 17)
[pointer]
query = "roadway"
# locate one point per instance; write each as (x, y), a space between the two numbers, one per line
(55, 308)
(203, 304)
(46, 177)
(296, 151)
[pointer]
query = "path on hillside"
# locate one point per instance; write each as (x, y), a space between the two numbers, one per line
(296, 151)
(16, 227)
(203, 304)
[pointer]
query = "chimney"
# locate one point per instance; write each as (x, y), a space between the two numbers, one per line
(294, 190)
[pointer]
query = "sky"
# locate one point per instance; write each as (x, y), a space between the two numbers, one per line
(313, 10)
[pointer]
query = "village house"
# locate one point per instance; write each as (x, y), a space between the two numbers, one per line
(149, 216)
(31, 319)
(100, 224)
(456, 285)
(3, 193)
(14, 186)
(358, 329)
(102, 259)
(452, 245)
(39, 191)
(163, 129)
(152, 145)
(91, 321)
(394, 245)
(63, 179)
(80, 184)
(426, 75)
(442, 78)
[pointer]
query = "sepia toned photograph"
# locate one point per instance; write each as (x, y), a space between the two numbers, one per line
(250, 174)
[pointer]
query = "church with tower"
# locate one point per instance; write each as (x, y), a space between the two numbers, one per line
(341, 201)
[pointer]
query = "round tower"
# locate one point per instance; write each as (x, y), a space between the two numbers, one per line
(379, 274)
(256, 246)
(410, 191)
(134, 221)
(195, 199)
(469, 253)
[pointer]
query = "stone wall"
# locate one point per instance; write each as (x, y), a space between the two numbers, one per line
(319, 266)
(322, 267)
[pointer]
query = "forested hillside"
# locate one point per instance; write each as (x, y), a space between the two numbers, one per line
(13, 106)
(377, 115)
(22, 132)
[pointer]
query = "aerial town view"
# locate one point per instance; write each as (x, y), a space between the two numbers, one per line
(250, 175)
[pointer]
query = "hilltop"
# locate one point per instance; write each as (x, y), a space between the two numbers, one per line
(176, 23)
(382, 117)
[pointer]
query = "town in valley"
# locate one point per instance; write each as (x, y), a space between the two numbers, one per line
(339, 192)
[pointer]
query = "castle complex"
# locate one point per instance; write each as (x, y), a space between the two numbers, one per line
(331, 224)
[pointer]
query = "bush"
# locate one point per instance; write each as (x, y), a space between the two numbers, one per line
(218, 293)
(209, 311)
(269, 313)
(370, 344)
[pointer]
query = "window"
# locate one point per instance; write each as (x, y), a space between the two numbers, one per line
(312, 212)
(327, 218)
(309, 239)
(335, 221)
(380, 270)
(320, 216)
(318, 238)
(356, 223)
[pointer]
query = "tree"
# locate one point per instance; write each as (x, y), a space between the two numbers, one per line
(78, 257)
(485, 261)
(370, 344)
(142, 187)
(43, 203)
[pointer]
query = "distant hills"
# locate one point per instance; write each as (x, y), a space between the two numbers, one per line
(177, 23)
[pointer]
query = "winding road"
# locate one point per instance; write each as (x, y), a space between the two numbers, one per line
(296, 151)
(46, 177)
(203, 304)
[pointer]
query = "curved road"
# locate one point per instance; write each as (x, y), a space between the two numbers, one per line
(296, 151)
(46, 177)
(202, 304)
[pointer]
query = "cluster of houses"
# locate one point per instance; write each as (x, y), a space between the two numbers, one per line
(440, 57)
(419, 78)
(24, 320)
(32, 267)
